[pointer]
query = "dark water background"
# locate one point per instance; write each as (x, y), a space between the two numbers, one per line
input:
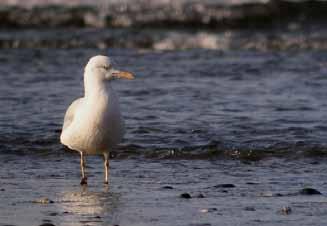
(274, 25)
(184, 104)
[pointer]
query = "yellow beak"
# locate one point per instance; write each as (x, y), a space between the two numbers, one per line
(123, 74)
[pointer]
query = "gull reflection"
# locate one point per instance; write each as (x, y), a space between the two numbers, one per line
(86, 207)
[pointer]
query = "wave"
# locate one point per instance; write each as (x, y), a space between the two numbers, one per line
(217, 151)
(171, 14)
(214, 150)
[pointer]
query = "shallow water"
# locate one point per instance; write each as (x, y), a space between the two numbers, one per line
(138, 192)
(195, 119)
(196, 103)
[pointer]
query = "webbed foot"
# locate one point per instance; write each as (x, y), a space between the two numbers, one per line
(84, 181)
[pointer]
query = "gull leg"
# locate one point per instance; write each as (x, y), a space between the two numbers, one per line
(106, 167)
(84, 178)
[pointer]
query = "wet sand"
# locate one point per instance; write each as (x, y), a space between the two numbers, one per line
(148, 192)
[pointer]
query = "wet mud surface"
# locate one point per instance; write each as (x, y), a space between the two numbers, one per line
(149, 192)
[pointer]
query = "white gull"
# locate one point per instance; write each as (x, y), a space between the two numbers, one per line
(93, 124)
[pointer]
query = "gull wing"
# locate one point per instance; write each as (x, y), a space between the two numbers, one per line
(70, 113)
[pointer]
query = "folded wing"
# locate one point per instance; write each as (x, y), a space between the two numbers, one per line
(70, 113)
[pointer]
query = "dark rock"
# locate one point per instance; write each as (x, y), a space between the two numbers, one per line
(279, 195)
(47, 224)
(167, 187)
(2, 189)
(213, 209)
(224, 186)
(185, 196)
(252, 183)
(249, 208)
(309, 191)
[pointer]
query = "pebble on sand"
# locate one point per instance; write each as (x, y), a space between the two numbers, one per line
(47, 224)
(270, 194)
(185, 196)
(309, 191)
(249, 208)
(200, 196)
(224, 186)
(43, 201)
(208, 210)
(286, 210)
(167, 187)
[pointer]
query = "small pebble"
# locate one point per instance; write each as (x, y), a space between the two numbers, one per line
(252, 183)
(224, 186)
(270, 194)
(249, 208)
(212, 209)
(279, 195)
(204, 211)
(266, 194)
(47, 224)
(309, 191)
(43, 201)
(201, 196)
(286, 210)
(185, 196)
(167, 187)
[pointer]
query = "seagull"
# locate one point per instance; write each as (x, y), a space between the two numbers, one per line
(93, 124)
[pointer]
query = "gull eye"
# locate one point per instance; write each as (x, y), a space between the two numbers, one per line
(105, 67)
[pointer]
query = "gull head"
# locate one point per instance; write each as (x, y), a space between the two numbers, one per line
(100, 68)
